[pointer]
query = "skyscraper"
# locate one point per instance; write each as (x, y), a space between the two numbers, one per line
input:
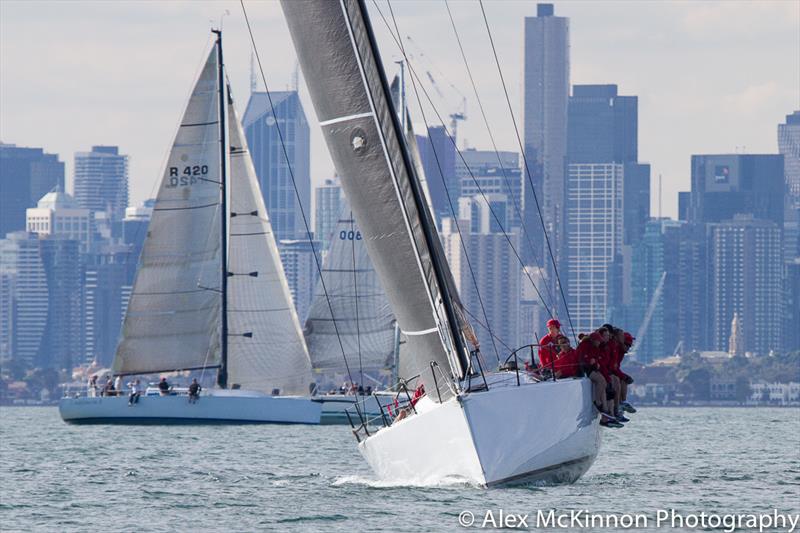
(301, 272)
(789, 147)
(105, 290)
(264, 142)
(545, 96)
(496, 273)
(101, 181)
(438, 154)
(488, 175)
(729, 184)
(594, 238)
(57, 213)
(26, 174)
(745, 258)
(61, 345)
(328, 207)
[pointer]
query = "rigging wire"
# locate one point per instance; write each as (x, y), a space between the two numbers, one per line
(527, 170)
(497, 152)
(355, 291)
(447, 193)
(472, 176)
(296, 191)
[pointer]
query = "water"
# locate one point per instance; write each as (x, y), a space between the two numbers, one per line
(57, 477)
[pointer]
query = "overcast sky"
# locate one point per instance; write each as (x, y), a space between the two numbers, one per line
(712, 77)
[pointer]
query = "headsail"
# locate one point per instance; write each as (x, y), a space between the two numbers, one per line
(364, 320)
(266, 349)
(352, 100)
(172, 321)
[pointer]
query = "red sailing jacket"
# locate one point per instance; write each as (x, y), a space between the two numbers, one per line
(568, 363)
(546, 352)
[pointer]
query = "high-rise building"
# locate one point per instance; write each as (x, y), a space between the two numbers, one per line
(545, 96)
(730, 184)
(106, 286)
(61, 346)
(594, 238)
(134, 231)
(297, 257)
(438, 154)
(480, 160)
(328, 207)
(101, 181)
(745, 259)
(26, 174)
(791, 337)
(496, 274)
(269, 158)
(789, 147)
(57, 213)
(27, 299)
(492, 179)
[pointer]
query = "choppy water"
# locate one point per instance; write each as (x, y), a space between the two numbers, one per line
(57, 477)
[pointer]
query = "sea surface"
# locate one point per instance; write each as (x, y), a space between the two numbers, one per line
(59, 477)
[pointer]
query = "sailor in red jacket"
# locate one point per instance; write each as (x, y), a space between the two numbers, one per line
(608, 362)
(567, 362)
(589, 354)
(546, 343)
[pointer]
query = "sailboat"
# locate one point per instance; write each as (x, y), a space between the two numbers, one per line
(210, 293)
(487, 428)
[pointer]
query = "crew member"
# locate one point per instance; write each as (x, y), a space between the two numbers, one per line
(589, 354)
(546, 353)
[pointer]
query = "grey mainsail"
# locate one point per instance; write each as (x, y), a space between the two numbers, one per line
(172, 321)
(364, 320)
(352, 100)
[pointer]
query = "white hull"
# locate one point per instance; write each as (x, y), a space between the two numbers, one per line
(220, 407)
(545, 431)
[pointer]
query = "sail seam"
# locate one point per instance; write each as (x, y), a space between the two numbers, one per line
(199, 124)
(184, 208)
(421, 332)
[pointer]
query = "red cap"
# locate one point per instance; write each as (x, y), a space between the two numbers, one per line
(554, 323)
(628, 338)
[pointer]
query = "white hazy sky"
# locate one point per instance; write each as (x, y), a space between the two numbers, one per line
(712, 77)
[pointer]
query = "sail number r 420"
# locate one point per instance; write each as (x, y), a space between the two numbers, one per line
(188, 176)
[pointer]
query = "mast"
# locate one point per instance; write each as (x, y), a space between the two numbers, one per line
(429, 232)
(222, 374)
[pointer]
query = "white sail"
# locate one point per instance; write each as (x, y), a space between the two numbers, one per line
(273, 354)
(364, 320)
(173, 316)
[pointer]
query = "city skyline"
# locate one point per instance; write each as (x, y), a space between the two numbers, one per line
(724, 96)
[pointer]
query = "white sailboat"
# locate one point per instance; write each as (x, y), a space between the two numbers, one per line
(481, 427)
(210, 292)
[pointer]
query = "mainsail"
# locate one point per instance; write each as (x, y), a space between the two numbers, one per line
(364, 320)
(352, 100)
(172, 321)
(266, 349)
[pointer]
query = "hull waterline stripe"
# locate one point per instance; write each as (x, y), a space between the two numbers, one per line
(541, 471)
(345, 118)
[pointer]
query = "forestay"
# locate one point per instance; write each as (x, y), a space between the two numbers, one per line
(364, 320)
(351, 98)
(172, 321)
(266, 349)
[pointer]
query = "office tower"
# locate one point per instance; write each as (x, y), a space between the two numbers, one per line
(101, 181)
(270, 160)
(545, 96)
(61, 345)
(106, 285)
(603, 128)
(301, 271)
(593, 237)
(26, 174)
(27, 299)
(438, 154)
(791, 341)
(745, 259)
(328, 207)
(730, 184)
(789, 147)
(532, 313)
(57, 213)
(480, 160)
(134, 231)
(496, 273)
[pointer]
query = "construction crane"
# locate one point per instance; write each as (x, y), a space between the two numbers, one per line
(649, 314)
